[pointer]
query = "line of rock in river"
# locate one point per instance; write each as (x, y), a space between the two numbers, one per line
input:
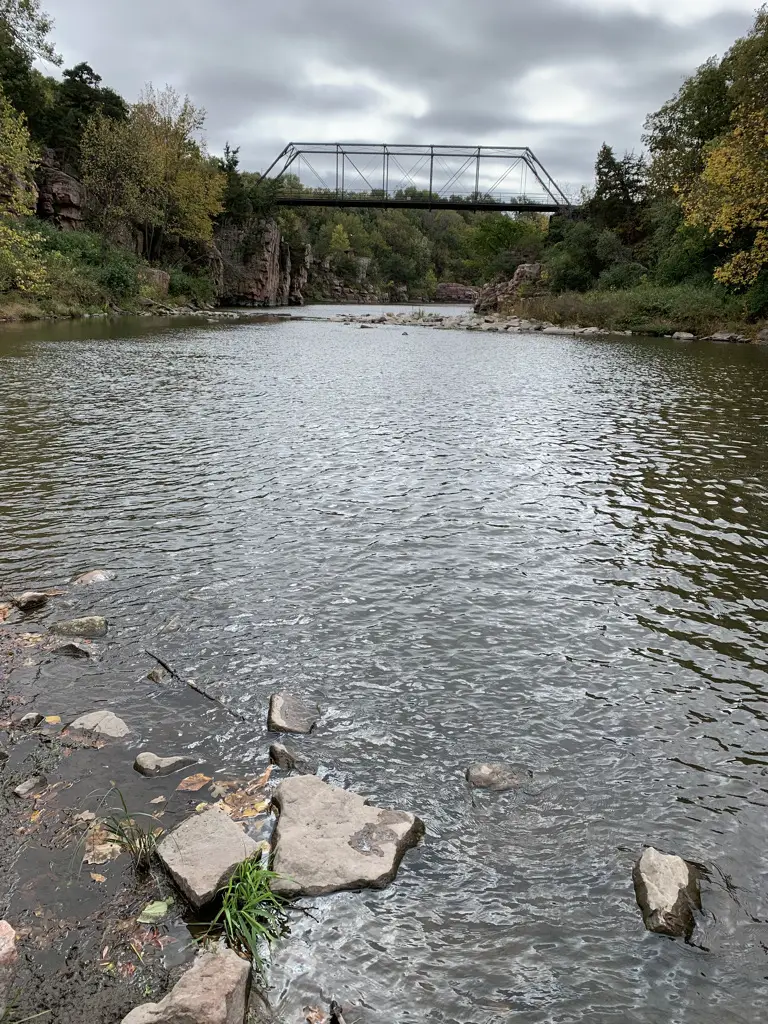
(326, 840)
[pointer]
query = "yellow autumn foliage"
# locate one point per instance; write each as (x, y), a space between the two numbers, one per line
(730, 198)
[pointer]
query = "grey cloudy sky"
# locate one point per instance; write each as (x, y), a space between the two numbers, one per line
(559, 76)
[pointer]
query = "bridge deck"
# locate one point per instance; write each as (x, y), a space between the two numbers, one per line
(388, 203)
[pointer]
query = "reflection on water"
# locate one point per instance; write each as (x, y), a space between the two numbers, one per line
(539, 549)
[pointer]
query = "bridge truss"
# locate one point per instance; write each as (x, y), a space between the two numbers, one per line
(421, 177)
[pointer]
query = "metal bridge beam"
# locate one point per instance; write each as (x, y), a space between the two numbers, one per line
(435, 181)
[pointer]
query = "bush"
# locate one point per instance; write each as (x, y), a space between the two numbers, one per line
(646, 309)
(197, 288)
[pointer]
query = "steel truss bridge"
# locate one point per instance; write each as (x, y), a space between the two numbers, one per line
(492, 178)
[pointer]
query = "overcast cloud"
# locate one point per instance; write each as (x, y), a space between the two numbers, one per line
(560, 76)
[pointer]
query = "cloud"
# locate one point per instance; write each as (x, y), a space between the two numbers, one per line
(561, 76)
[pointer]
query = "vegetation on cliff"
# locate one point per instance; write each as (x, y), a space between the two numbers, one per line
(661, 240)
(678, 239)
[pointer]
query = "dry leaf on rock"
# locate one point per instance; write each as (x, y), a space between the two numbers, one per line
(53, 719)
(97, 877)
(159, 800)
(85, 816)
(314, 1015)
(5, 611)
(193, 783)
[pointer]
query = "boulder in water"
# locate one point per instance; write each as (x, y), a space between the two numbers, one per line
(151, 765)
(100, 725)
(8, 960)
(93, 576)
(668, 893)
(328, 839)
(203, 852)
(291, 760)
(90, 627)
(31, 600)
(290, 714)
(498, 777)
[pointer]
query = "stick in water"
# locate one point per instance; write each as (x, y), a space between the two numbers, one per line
(198, 689)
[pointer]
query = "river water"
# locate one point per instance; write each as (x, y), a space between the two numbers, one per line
(465, 547)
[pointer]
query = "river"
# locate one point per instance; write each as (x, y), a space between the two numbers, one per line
(465, 547)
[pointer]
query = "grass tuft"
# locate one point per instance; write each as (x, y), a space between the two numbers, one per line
(252, 915)
(133, 838)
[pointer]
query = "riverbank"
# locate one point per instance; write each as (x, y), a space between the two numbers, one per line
(510, 324)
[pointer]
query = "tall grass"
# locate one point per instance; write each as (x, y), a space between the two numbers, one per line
(647, 309)
(252, 915)
(138, 841)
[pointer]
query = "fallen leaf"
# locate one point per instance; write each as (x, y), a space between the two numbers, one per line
(85, 816)
(53, 719)
(247, 802)
(159, 800)
(154, 912)
(98, 878)
(263, 779)
(193, 783)
(5, 611)
(98, 847)
(35, 816)
(202, 807)
(314, 1015)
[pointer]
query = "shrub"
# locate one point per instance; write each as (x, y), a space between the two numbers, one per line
(646, 309)
(198, 288)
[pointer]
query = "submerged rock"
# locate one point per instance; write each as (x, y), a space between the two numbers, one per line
(498, 777)
(291, 760)
(201, 854)
(8, 960)
(150, 764)
(289, 714)
(90, 627)
(94, 576)
(72, 650)
(100, 724)
(328, 839)
(30, 600)
(213, 991)
(668, 892)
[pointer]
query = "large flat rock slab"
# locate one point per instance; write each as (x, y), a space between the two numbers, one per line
(667, 890)
(203, 852)
(328, 839)
(213, 991)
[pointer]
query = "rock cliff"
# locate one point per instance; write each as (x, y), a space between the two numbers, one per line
(61, 198)
(527, 277)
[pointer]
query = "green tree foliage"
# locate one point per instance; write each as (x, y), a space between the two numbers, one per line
(79, 97)
(29, 27)
(21, 263)
(151, 169)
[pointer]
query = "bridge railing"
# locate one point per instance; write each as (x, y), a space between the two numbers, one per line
(418, 176)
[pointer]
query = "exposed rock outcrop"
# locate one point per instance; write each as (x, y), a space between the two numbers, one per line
(158, 280)
(451, 292)
(667, 891)
(493, 296)
(213, 991)
(201, 854)
(61, 198)
(328, 839)
(256, 265)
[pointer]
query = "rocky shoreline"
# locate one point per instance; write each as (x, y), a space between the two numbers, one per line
(161, 878)
(499, 323)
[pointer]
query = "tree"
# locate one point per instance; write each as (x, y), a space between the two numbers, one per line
(619, 193)
(29, 26)
(677, 134)
(730, 199)
(21, 261)
(339, 240)
(152, 170)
